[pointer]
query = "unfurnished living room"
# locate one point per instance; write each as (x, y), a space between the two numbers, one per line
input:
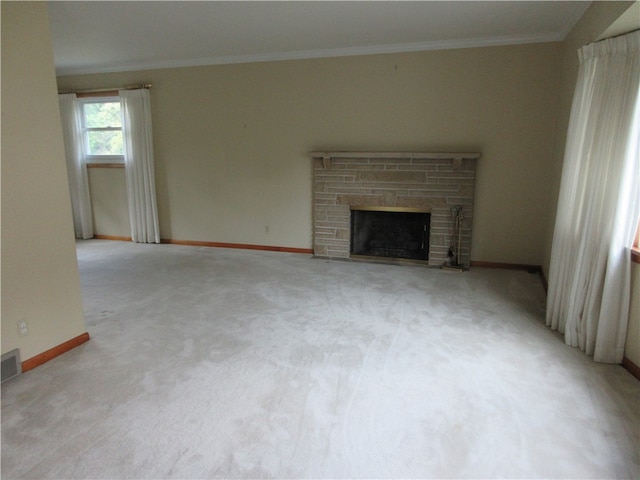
(320, 239)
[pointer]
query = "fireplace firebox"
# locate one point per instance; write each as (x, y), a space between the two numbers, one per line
(390, 233)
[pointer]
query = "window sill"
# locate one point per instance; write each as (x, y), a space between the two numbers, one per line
(635, 254)
(105, 165)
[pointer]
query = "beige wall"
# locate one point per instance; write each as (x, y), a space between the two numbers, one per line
(40, 281)
(231, 141)
(109, 202)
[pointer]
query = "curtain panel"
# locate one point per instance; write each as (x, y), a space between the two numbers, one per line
(139, 165)
(599, 202)
(76, 165)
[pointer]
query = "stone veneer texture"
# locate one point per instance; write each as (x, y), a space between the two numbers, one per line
(403, 180)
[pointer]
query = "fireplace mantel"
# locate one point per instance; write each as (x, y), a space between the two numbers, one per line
(327, 157)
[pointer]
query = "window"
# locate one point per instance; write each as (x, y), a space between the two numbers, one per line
(102, 129)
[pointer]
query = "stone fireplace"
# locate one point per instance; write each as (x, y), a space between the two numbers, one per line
(393, 183)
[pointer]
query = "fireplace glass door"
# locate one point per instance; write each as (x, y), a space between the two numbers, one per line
(390, 234)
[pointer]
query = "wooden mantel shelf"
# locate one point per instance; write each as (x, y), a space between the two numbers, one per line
(326, 157)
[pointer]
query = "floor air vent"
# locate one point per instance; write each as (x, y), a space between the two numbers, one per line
(11, 366)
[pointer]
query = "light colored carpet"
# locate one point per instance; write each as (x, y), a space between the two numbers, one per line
(216, 363)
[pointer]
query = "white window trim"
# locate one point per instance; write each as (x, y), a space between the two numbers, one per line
(93, 159)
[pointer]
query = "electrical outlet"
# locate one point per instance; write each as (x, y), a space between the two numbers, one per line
(23, 328)
(266, 229)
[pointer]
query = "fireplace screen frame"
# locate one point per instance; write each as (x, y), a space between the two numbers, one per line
(382, 250)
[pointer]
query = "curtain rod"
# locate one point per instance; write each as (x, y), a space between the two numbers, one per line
(113, 89)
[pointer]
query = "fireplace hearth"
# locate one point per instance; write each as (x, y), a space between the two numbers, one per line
(390, 234)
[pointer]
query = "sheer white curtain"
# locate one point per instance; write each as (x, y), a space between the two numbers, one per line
(599, 203)
(76, 165)
(139, 165)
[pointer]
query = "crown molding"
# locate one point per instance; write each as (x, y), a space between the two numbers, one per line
(316, 54)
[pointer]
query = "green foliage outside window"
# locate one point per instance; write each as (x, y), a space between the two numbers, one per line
(104, 128)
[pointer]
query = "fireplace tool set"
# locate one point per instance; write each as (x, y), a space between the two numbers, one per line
(456, 240)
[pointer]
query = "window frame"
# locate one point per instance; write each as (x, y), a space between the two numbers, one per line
(635, 249)
(98, 159)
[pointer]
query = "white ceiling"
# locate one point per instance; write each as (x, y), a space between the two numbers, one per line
(94, 37)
